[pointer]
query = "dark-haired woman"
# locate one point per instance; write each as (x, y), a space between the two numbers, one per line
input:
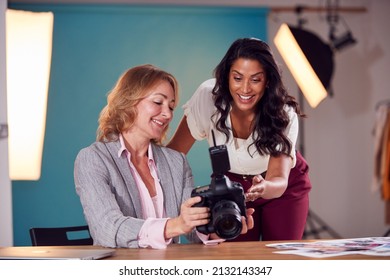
(250, 111)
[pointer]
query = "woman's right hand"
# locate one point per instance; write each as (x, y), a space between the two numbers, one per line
(189, 218)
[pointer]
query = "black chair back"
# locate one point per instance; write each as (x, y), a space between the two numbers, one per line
(61, 236)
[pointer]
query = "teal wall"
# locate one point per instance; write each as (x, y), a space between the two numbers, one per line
(92, 46)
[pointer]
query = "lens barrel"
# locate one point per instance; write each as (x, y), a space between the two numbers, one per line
(227, 219)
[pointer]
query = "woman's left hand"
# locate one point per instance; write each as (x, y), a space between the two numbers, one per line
(257, 189)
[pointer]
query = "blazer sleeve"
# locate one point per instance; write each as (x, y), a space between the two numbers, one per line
(104, 198)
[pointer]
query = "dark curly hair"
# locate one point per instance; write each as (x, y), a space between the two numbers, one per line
(271, 119)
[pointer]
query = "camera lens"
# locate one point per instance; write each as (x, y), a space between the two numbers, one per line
(227, 219)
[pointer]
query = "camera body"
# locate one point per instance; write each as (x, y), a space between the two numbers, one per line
(225, 198)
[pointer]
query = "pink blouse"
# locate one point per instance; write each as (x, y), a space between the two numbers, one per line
(152, 231)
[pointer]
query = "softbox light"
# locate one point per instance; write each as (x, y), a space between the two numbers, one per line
(309, 60)
(29, 48)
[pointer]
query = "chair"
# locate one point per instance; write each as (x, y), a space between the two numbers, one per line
(61, 236)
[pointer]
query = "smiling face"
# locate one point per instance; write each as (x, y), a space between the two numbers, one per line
(155, 112)
(247, 83)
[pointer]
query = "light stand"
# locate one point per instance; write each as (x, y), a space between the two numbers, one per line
(310, 62)
(314, 224)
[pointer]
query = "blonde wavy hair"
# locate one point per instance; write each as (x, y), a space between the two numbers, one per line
(120, 112)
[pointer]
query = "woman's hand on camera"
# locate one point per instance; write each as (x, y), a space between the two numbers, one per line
(189, 218)
(247, 223)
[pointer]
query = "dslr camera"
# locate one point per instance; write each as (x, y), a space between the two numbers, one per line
(225, 198)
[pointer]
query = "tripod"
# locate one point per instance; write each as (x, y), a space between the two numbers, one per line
(315, 226)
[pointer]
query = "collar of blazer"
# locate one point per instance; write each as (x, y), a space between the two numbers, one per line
(163, 172)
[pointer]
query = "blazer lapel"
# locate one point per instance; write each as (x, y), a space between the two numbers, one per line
(124, 169)
(166, 181)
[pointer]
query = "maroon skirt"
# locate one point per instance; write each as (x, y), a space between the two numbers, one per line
(282, 218)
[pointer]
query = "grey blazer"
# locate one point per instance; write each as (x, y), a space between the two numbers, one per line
(110, 198)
